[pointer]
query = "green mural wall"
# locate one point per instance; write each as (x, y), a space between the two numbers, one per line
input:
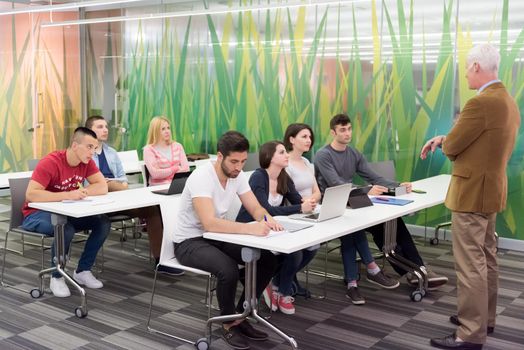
(257, 72)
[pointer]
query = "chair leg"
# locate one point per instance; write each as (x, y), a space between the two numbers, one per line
(5, 253)
(151, 303)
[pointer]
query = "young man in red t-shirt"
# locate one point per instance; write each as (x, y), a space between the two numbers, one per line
(59, 176)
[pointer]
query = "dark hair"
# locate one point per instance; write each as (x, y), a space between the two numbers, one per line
(265, 154)
(91, 120)
(80, 132)
(293, 130)
(232, 141)
(339, 119)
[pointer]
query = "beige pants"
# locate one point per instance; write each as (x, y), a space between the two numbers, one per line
(475, 252)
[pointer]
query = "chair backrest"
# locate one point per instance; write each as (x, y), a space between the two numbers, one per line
(169, 212)
(129, 160)
(386, 169)
(17, 188)
(31, 163)
(252, 162)
(145, 174)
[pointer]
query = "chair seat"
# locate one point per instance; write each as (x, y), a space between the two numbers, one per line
(119, 217)
(19, 229)
(175, 264)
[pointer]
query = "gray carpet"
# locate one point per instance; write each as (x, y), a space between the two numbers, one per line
(118, 312)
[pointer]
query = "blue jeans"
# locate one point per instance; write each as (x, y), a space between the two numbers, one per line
(289, 265)
(350, 244)
(40, 221)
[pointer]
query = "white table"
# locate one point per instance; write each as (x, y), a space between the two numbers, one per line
(109, 203)
(4, 177)
(351, 221)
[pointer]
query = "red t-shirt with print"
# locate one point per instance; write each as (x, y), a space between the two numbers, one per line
(56, 175)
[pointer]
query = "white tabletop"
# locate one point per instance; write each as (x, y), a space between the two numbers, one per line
(109, 203)
(353, 220)
(4, 178)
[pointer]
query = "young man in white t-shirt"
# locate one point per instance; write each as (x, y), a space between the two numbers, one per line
(206, 198)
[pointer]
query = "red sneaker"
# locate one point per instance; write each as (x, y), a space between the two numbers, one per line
(285, 304)
(271, 297)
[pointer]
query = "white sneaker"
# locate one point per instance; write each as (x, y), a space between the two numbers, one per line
(87, 279)
(59, 287)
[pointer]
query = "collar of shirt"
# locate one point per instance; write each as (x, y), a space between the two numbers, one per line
(487, 84)
(99, 150)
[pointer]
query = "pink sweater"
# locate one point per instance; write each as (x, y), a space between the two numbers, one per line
(161, 170)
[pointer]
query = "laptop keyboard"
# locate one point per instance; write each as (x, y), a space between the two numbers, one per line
(312, 216)
(293, 226)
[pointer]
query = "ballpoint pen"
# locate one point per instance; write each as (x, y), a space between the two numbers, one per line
(382, 199)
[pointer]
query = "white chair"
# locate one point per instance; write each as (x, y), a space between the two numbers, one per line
(130, 161)
(168, 259)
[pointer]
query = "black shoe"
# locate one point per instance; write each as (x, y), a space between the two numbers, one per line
(455, 320)
(170, 270)
(354, 295)
(248, 331)
(234, 338)
(450, 342)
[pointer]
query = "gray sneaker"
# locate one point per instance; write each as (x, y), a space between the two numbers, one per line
(380, 279)
(354, 295)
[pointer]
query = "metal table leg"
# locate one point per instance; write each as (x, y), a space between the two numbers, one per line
(390, 243)
(60, 260)
(250, 256)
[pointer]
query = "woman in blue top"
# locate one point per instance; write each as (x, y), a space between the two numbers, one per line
(274, 188)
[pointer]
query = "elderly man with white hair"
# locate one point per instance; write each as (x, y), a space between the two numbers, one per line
(479, 145)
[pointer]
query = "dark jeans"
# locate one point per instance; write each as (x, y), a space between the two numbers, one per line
(350, 245)
(222, 260)
(40, 221)
(289, 265)
(405, 245)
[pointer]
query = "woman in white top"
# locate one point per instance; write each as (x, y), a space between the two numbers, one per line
(298, 140)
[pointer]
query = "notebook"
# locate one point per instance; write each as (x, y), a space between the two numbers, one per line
(391, 200)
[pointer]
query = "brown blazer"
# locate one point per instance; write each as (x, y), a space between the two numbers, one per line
(480, 145)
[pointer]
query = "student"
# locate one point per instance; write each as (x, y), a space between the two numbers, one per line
(298, 139)
(59, 176)
(337, 163)
(273, 187)
(163, 156)
(107, 160)
(206, 198)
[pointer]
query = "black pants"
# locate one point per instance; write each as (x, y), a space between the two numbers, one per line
(405, 245)
(222, 260)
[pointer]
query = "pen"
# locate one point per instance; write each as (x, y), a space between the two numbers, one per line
(79, 185)
(265, 218)
(382, 199)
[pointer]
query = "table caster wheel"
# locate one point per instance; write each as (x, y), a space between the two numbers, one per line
(433, 241)
(202, 344)
(80, 313)
(36, 293)
(123, 238)
(416, 296)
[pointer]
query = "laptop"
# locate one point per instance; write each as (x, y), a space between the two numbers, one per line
(358, 197)
(177, 184)
(333, 205)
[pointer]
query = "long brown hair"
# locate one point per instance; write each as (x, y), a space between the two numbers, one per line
(265, 154)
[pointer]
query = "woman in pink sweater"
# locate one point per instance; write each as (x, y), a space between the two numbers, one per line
(163, 156)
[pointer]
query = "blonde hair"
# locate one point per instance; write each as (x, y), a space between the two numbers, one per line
(153, 134)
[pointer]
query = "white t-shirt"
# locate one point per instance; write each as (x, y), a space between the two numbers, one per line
(303, 180)
(203, 182)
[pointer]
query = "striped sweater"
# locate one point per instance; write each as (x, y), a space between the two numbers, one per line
(161, 170)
